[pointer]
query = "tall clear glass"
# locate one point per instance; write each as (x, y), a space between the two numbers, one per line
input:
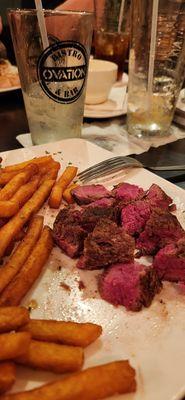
(156, 65)
(53, 74)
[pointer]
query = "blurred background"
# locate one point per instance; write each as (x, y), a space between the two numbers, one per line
(5, 39)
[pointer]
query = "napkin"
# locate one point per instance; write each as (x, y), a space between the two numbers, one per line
(113, 136)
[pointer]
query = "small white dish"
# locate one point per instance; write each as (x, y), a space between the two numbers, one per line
(101, 77)
(181, 101)
(115, 106)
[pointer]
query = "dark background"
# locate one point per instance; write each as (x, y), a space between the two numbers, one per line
(4, 4)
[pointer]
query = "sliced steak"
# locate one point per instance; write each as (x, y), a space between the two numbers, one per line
(132, 285)
(101, 203)
(135, 215)
(158, 198)
(127, 192)
(107, 244)
(169, 262)
(68, 233)
(92, 215)
(89, 193)
(162, 228)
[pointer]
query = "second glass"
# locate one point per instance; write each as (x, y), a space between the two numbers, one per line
(156, 65)
(53, 75)
(112, 31)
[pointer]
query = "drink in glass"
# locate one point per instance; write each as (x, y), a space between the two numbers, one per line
(112, 46)
(112, 31)
(53, 78)
(156, 65)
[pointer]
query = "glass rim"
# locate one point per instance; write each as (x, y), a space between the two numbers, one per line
(33, 11)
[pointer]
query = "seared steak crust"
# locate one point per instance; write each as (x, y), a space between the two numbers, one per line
(107, 244)
(169, 262)
(162, 228)
(158, 198)
(68, 233)
(92, 215)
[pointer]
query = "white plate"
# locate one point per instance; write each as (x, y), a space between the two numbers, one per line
(115, 106)
(14, 71)
(152, 339)
(10, 89)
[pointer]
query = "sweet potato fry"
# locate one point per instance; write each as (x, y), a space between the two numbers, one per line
(22, 282)
(24, 193)
(5, 177)
(71, 333)
(51, 172)
(67, 193)
(39, 161)
(12, 318)
(9, 230)
(7, 376)
(13, 345)
(20, 235)
(91, 384)
(52, 357)
(20, 255)
(52, 165)
(8, 208)
(59, 187)
(15, 183)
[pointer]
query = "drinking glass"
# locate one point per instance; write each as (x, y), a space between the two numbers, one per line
(156, 65)
(112, 31)
(52, 72)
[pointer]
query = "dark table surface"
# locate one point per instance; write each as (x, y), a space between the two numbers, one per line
(13, 121)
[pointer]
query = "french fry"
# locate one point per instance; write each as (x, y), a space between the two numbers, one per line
(52, 357)
(67, 193)
(15, 183)
(20, 235)
(5, 177)
(8, 208)
(91, 384)
(39, 161)
(20, 255)
(51, 172)
(24, 193)
(12, 318)
(7, 376)
(13, 345)
(71, 333)
(52, 165)
(59, 187)
(10, 248)
(22, 282)
(9, 230)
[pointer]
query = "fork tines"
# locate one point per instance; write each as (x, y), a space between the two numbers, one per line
(108, 166)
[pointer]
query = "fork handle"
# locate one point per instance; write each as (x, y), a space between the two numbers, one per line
(168, 168)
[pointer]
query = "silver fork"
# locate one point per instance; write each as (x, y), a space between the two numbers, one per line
(107, 166)
(118, 163)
